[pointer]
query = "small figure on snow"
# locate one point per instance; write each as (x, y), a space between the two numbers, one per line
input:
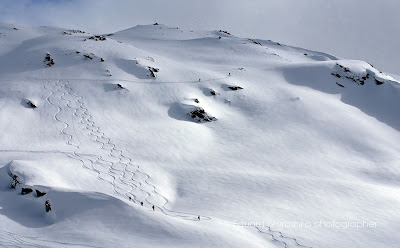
(198, 217)
(154, 209)
(141, 203)
(130, 198)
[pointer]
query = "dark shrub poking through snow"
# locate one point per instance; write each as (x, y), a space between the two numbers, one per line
(25, 191)
(200, 115)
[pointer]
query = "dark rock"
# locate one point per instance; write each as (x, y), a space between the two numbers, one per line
(101, 59)
(153, 71)
(78, 52)
(25, 191)
(31, 104)
(47, 206)
(339, 85)
(98, 38)
(48, 60)
(87, 56)
(40, 194)
(255, 42)
(156, 24)
(196, 100)
(15, 182)
(235, 87)
(212, 92)
(378, 82)
(120, 86)
(201, 116)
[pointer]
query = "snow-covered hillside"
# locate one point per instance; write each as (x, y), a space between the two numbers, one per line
(271, 145)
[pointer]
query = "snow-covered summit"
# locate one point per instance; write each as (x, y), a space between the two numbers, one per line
(248, 134)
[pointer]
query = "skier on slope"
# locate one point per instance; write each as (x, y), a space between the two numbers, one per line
(154, 208)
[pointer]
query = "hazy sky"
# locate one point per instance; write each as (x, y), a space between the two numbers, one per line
(355, 29)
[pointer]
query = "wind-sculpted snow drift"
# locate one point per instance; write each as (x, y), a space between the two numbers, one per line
(236, 142)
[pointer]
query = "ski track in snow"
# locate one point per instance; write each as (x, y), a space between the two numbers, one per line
(123, 185)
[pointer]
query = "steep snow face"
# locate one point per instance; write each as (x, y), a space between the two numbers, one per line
(271, 145)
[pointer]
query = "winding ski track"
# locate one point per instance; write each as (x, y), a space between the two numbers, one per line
(125, 180)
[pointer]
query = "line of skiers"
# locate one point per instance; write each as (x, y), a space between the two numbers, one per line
(154, 208)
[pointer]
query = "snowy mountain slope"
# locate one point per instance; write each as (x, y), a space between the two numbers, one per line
(306, 139)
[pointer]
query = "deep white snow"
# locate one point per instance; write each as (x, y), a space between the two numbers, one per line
(307, 140)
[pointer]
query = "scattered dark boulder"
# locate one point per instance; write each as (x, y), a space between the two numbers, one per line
(31, 104)
(378, 82)
(345, 72)
(47, 206)
(48, 60)
(15, 182)
(102, 60)
(87, 56)
(225, 32)
(196, 100)
(235, 87)
(97, 38)
(40, 194)
(120, 86)
(15, 28)
(341, 85)
(73, 31)
(255, 42)
(156, 24)
(200, 115)
(78, 52)
(212, 92)
(152, 71)
(25, 191)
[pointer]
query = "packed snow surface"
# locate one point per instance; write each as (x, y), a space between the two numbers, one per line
(269, 145)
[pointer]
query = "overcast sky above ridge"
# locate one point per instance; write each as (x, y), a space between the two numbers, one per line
(353, 29)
